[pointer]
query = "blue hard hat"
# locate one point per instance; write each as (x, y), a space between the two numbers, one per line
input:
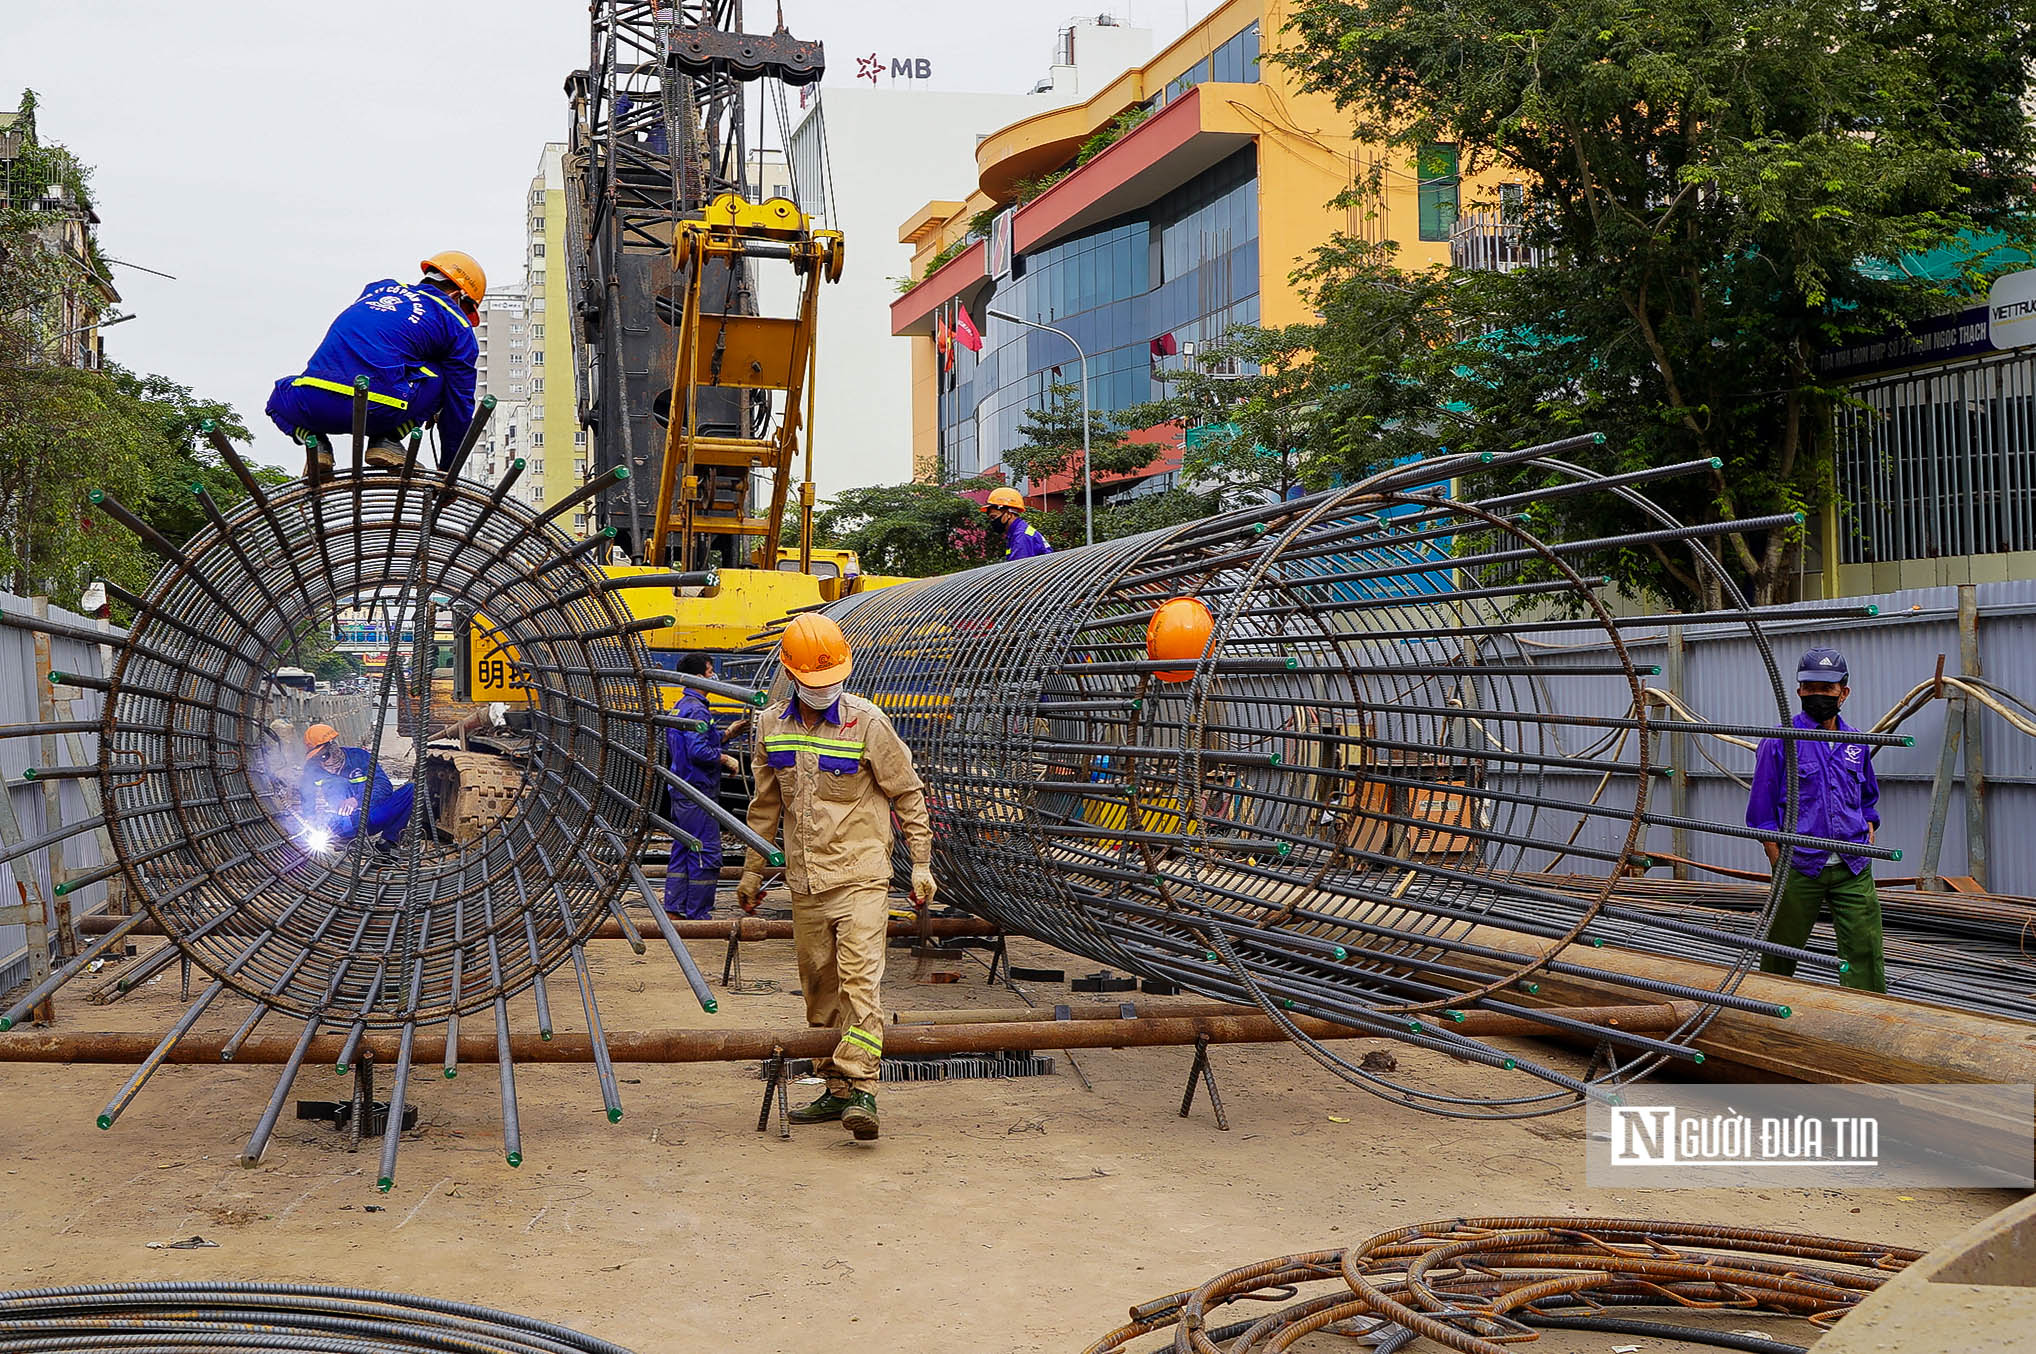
(1822, 665)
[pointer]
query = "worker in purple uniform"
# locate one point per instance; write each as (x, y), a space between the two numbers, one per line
(694, 872)
(1021, 539)
(1838, 798)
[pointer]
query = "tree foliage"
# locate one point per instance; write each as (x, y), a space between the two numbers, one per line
(1051, 449)
(1706, 181)
(911, 530)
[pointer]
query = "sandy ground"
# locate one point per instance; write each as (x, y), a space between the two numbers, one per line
(992, 1216)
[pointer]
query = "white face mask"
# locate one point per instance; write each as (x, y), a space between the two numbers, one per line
(818, 697)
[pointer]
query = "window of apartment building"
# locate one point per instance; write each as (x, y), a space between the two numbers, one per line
(580, 522)
(1435, 167)
(580, 469)
(580, 438)
(1512, 203)
(537, 304)
(515, 390)
(537, 386)
(537, 355)
(537, 248)
(537, 331)
(1236, 61)
(1198, 74)
(537, 466)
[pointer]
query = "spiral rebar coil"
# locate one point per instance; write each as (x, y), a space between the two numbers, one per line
(1333, 812)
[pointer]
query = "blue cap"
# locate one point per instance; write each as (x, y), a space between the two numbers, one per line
(1822, 665)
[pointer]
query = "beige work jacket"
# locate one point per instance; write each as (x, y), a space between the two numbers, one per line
(834, 787)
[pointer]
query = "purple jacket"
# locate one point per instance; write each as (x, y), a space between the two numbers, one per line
(1839, 795)
(1022, 541)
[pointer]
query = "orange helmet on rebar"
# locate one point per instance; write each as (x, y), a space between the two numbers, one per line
(464, 271)
(815, 651)
(1004, 496)
(316, 737)
(1179, 630)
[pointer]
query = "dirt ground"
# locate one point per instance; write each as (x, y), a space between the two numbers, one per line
(992, 1216)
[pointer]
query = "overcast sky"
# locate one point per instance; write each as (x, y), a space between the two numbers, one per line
(276, 157)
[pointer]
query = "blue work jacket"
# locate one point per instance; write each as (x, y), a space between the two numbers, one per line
(1022, 541)
(695, 755)
(414, 345)
(349, 782)
(1838, 796)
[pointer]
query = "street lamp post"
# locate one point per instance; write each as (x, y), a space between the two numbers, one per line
(1088, 484)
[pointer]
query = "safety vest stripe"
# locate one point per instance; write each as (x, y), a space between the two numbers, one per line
(794, 740)
(856, 1036)
(429, 372)
(336, 388)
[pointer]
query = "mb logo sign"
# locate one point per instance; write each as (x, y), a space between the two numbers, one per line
(871, 68)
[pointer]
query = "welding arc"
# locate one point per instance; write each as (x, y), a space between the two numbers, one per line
(272, 1316)
(1341, 810)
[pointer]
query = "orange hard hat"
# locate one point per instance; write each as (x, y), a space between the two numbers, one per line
(1180, 630)
(465, 273)
(815, 651)
(1005, 497)
(317, 736)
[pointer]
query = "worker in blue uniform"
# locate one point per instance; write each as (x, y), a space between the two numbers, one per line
(343, 792)
(1022, 540)
(694, 872)
(414, 343)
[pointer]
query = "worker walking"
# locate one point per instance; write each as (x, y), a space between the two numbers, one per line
(414, 343)
(694, 872)
(833, 770)
(343, 792)
(1837, 797)
(1021, 539)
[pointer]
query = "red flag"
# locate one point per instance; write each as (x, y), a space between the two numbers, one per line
(943, 343)
(965, 331)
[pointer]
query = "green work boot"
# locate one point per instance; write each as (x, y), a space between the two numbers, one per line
(859, 1115)
(825, 1110)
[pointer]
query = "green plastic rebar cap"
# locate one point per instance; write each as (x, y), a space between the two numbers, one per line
(1413, 1027)
(1292, 662)
(197, 488)
(615, 1116)
(759, 698)
(1530, 988)
(97, 496)
(105, 1121)
(386, 1183)
(56, 678)
(1597, 943)
(544, 1034)
(1286, 1003)
(1801, 518)
(1872, 609)
(1260, 528)
(1509, 1065)
(1785, 1012)
(206, 425)
(1845, 966)
(713, 580)
(1654, 671)
(1598, 438)
(666, 622)
(1717, 463)
(516, 464)
(1897, 855)
(608, 532)
(63, 888)
(1283, 849)
(1698, 1056)
(1208, 956)
(1456, 1016)
(621, 472)
(1644, 862)
(28, 772)
(488, 401)
(339, 1069)
(710, 1006)
(1342, 953)
(1276, 759)
(1908, 741)
(775, 859)
(514, 1158)
(1138, 702)
(451, 1072)
(1484, 458)
(361, 383)
(5, 1023)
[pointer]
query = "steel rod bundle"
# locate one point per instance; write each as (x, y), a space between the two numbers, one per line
(271, 1316)
(250, 885)
(1483, 1285)
(1336, 807)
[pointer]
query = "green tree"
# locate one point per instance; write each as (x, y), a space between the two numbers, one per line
(1707, 180)
(909, 530)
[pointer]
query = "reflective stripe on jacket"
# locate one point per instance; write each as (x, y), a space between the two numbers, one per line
(834, 785)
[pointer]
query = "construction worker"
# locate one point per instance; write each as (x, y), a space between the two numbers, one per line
(830, 767)
(694, 872)
(343, 792)
(1021, 539)
(1837, 797)
(414, 343)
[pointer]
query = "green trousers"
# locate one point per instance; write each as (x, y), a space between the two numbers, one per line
(1855, 917)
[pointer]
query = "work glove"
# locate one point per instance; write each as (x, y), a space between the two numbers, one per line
(922, 884)
(749, 892)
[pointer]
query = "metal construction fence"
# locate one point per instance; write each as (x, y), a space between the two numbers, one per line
(1712, 671)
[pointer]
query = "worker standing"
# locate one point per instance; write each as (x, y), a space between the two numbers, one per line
(1021, 539)
(831, 768)
(343, 792)
(414, 343)
(1837, 797)
(694, 872)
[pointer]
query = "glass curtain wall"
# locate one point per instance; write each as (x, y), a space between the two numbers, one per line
(1186, 266)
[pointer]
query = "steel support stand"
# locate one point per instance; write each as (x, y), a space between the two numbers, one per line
(775, 1077)
(1200, 1073)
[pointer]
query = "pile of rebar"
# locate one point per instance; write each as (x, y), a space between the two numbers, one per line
(1483, 1285)
(321, 1319)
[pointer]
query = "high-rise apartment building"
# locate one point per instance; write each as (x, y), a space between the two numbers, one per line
(502, 370)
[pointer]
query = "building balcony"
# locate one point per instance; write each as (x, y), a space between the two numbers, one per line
(1486, 242)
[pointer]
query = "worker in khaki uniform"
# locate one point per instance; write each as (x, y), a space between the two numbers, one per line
(831, 768)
